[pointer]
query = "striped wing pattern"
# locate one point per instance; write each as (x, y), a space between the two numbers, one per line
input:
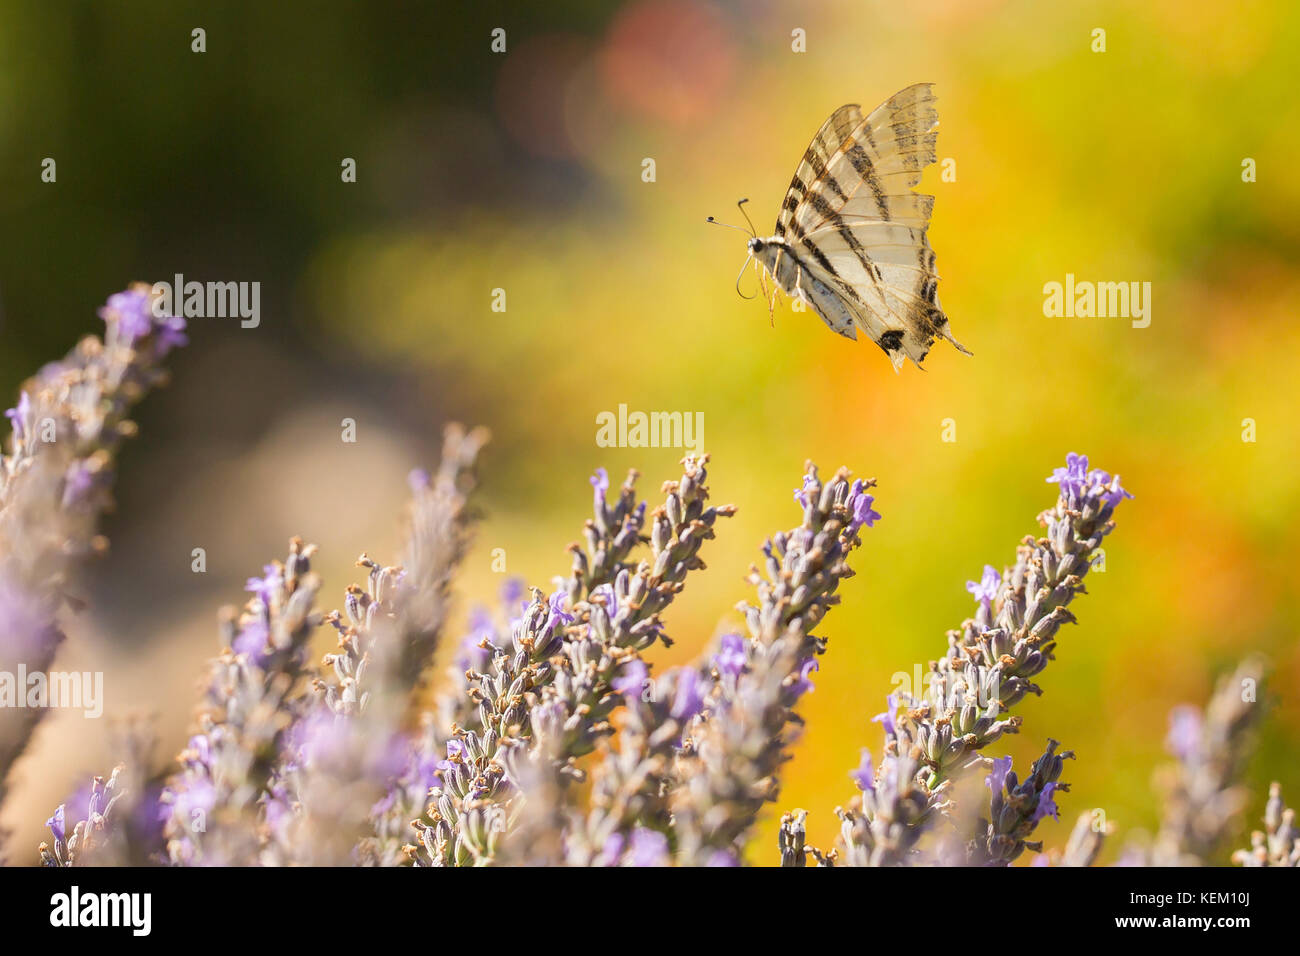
(851, 217)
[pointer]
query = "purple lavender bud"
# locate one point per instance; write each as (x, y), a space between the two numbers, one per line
(418, 479)
(691, 690)
(512, 592)
(196, 801)
(472, 656)
(199, 750)
(612, 850)
(1184, 737)
(802, 685)
(455, 752)
(1073, 477)
(1108, 488)
(266, 585)
(324, 737)
(860, 505)
(997, 778)
(889, 719)
(865, 775)
(480, 623)
(1079, 485)
(171, 334)
(722, 858)
(77, 482)
(986, 589)
(132, 310)
(19, 415)
(56, 823)
(95, 802)
(631, 680)
(731, 659)
(648, 848)
(279, 813)
(252, 641)
(605, 594)
(1046, 805)
(801, 494)
(600, 485)
(557, 615)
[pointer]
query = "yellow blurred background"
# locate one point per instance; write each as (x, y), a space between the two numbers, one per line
(1123, 165)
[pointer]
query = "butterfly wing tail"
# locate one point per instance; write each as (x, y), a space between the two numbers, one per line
(947, 334)
(943, 329)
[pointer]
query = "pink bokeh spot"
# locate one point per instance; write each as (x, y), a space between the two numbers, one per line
(670, 60)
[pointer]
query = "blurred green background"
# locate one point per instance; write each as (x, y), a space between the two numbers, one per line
(522, 171)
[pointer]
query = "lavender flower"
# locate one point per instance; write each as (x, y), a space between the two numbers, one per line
(88, 839)
(889, 718)
(860, 506)
(210, 804)
(1015, 808)
(791, 839)
(880, 826)
(55, 479)
(437, 537)
(632, 784)
(1278, 844)
(986, 589)
(986, 671)
(731, 768)
(865, 775)
(732, 658)
(1202, 793)
(1085, 842)
(631, 681)
(574, 695)
(557, 689)
(648, 848)
(352, 753)
(612, 533)
(473, 781)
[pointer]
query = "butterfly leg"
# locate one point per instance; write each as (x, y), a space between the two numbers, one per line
(771, 297)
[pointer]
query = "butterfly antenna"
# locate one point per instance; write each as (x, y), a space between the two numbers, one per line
(718, 222)
(741, 206)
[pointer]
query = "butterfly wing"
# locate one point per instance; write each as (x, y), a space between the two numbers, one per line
(815, 160)
(852, 213)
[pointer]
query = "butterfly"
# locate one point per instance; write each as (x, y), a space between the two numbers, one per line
(850, 240)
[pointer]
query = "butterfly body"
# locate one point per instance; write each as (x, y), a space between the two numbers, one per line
(851, 241)
(784, 263)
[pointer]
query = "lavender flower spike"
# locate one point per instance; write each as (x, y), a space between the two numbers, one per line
(1279, 843)
(55, 480)
(605, 634)
(739, 745)
(632, 784)
(349, 747)
(880, 826)
(1085, 842)
(1202, 792)
(210, 804)
(989, 664)
(612, 533)
(86, 841)
(1015, 807)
